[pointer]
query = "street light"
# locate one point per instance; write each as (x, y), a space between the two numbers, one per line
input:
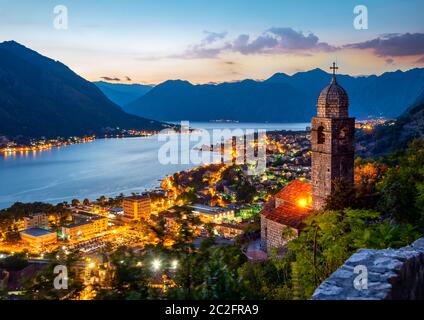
(174, 264)
(156, 264)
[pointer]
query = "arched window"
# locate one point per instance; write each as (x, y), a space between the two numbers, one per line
(344, 135)
(321, 135)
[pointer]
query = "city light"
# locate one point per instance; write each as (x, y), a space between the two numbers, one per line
(302, 203)
(91, 265)
(174, 264)
(156, 264)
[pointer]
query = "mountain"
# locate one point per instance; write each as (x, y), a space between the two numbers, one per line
(408, 126)
(281, 98)
(43, 97)
(122, 94)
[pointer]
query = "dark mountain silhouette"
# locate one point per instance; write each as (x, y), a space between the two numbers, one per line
(280, 98)
(121, 93)
(408, 126)
(43, 97)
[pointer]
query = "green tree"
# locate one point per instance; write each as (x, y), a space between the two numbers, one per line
(330, 237)
(130, 279)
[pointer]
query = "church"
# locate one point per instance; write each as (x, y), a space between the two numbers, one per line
(333, 151)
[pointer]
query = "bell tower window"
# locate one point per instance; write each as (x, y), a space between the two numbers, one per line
(321, 135)
(344, 135)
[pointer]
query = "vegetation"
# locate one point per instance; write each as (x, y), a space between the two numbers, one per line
(384, 209)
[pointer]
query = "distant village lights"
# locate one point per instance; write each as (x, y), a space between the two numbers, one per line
(243, 147)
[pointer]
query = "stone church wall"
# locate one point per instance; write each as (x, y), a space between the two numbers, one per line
(272, 235)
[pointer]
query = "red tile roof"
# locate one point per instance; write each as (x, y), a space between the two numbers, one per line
(295, 190)
(289, 213)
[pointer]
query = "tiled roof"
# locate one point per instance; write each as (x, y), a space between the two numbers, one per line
(289, 213)
(294, 190)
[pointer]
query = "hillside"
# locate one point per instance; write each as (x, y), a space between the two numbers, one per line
(408, 126)
(280, 98)
(43, 97)
(122, 94)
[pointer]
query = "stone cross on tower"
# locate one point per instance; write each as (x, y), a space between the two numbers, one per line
(334, 68)
(333, 142)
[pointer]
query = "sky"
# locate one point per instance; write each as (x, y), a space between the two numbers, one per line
(205, 41)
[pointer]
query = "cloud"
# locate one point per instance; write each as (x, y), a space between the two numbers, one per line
(285, 40)
(273, 40)
(262, 43)
(106, 78)
(394, 45)
(421, 60)
(212, 37)
(291, 40)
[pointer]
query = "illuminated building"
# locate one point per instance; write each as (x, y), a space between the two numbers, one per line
(229, 231)
(332, 139)
(208, 214)
(90, 225)
(37, 220)
(38, 237)
(285, 212)
(136, 208)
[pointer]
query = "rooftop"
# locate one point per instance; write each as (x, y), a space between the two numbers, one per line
(294, 191)
(333, 101)
(295, 207)
(208, 209)
(78, 224)
(138, 197)
(36, 232)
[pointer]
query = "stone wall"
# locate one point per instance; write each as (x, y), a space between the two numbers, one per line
(272, 235)
(391, 275)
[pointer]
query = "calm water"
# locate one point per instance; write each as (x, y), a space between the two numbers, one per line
(103, 167)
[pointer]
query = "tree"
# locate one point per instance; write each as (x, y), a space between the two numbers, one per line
(401, 189)
(330, 237)
(209, 273)
(130, 279)
(342, 197)
(42, 286)
(15, 262)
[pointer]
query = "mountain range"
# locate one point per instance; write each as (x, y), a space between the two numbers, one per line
(43, 97)
(281, 98)
(123, 94)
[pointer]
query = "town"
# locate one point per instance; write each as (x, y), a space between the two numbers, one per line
(25, 146)
(219, 200)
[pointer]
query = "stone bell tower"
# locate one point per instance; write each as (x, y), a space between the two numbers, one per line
(333, 142)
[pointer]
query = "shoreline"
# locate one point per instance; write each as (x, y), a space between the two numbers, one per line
(154, 185)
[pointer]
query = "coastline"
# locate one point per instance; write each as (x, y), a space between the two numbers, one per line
(52, 196)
